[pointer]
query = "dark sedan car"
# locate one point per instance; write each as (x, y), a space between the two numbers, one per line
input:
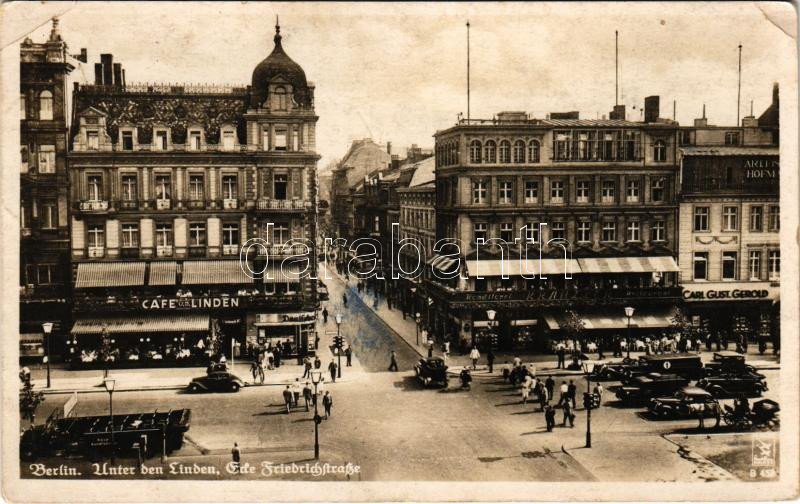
(643, 388)
(728, 362)
(219, 381)
(432, 371)
(682, 403)
(734, 385)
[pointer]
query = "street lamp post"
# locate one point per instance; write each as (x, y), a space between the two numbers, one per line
(338, 345)
(491, 314)
(109, 383)
(417, 320)
(47, 327)
(587, 369)
(629, 313)
(316, 376)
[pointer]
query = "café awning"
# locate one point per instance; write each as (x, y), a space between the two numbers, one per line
(643, 319)
(162, 273)
(143, 324)
(661, 264)
(517, 267)
(443, 263)
(278, 273)
(214, 272)
(110, 274)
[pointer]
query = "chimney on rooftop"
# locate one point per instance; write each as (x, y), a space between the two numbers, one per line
(651, 104)
(98, 74)
(117, 74)
(107, 61)
(618, 113)
(702, 122)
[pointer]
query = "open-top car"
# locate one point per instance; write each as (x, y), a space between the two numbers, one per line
(643, 388)
(431, 371)
(682, 403)
(733, 385)
(728, 362)
(217, 381)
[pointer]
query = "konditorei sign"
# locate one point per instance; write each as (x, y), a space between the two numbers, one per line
(752, 291)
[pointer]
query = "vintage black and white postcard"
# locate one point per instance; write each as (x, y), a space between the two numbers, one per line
(399, 251)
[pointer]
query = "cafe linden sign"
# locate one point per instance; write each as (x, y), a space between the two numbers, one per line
(761, 291)
(183, 303)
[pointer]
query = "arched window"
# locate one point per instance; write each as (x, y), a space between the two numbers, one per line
(475, 151)
(46, 106)
(659, 151)
(505, 151)
(490, 151)
(519, 151)
(533, 151)
(280, 102)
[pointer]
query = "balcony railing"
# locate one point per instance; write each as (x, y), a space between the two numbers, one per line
(94, 206)
(95, 252)
(129, 204)
(230, 203)
(196, 204)
(197, 251)
(230, 250)
(277, 204)
(164, 251)
(163, 204)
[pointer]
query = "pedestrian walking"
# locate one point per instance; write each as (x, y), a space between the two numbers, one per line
(348, 352)
(327, 403)
(393, 361)
(550, 385)
(568, 415)
(306, 367)
(506, 371)
(254, 370)
(598, 392)
(526, 389)
(550, 417)
(296, 391)
(490, 360)
(307, 394)
(571, 392)
(564, 393)
(325, 315)
(277, 356)
(474, 354)
(561, 353)
(544, 399)
(332, 370)
(287, 398)
(317, 362)
(236, 457)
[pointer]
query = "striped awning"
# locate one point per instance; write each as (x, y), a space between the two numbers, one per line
(516, 267)
(443, 263)
(110, 274)
(162, 273)
(662, 264)
(214, 272)
(644, 319)
(289, 272)
(145, 324)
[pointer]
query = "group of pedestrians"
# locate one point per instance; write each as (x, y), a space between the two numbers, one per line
(294, 391)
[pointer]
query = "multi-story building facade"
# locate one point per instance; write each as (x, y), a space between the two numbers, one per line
(730, 224)
(169, 184)
(44, 211)
(603, 192)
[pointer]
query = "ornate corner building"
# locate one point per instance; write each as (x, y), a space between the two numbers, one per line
(44, 208)
(168, 186)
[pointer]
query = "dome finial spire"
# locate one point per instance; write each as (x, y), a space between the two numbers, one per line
(277, 31)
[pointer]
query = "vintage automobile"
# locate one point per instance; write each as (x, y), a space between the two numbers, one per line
(431, 371)
(605, 371)
(217, 381)
(679, 404)
(322, 290)
(728, 362)
(643, 388)
(686, 365)
(731, 385)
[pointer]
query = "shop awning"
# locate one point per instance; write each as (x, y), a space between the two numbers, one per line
(662, 264)
(110, 274)
(31, 337)
(516, 267)
(644, 319)
(214, 272)
(144, 324)
(443, 263)
(162, 273)
(288, 273)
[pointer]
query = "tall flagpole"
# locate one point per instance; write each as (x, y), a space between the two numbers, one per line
(468, 113)
(739, 91)
(616, 67)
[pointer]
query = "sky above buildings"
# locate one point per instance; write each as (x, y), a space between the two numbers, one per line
(398, 72)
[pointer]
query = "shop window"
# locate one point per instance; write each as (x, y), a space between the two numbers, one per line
(756, 218)
(582, 191)
(774, 264)
(755, 265)
(478, 192)
(475, 148)
(584, 231)
(701, 218)
(557, 191)
(280, 186)
(531, 191)
(658, 231)
(729, 260)
(47, 159)
(609, 231)
(46, 106)
(701, 266)
(730, 218)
